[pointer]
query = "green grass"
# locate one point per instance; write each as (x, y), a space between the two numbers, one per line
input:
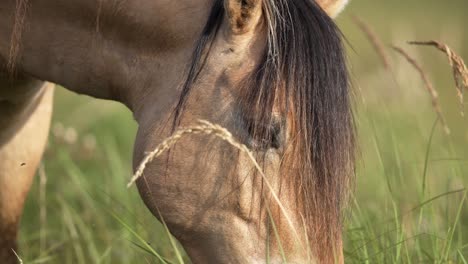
(409, 204)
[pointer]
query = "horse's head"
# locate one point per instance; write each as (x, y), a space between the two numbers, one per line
(273, 73)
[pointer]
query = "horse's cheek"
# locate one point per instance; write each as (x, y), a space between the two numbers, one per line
(190, 185)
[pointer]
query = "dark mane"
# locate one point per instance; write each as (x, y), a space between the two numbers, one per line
(15, 41)
(304, 71)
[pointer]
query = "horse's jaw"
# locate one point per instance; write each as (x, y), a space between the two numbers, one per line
(237, 242)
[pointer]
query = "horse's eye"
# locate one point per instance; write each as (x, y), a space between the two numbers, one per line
(265, 136)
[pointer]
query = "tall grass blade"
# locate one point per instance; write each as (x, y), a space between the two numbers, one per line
(134, 233)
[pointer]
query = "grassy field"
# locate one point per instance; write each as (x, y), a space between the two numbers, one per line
(410, 205)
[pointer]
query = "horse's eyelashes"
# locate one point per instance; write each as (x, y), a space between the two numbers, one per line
(265, 136)
(276, 135)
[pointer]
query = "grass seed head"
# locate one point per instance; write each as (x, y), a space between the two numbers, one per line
(460, 71)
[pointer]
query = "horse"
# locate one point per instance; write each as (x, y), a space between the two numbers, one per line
(272, 72)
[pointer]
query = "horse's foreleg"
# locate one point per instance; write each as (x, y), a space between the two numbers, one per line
(24, 126)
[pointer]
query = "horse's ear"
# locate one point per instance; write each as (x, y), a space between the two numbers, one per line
(333, 7)
(243, 15)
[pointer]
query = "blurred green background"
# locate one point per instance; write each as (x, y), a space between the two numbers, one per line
(71, 218)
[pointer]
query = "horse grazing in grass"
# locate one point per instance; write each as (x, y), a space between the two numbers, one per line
(272, 72)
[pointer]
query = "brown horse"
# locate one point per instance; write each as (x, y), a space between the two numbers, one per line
(271, 71)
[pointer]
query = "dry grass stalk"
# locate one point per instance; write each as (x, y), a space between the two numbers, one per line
(374, 40)
(20, 261)
(42, 207)
(460, 71)
(430, 88)
(204, 127)
(207, 128)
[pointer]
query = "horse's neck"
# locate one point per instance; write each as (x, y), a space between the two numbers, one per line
(93, 47)
(50, 45)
